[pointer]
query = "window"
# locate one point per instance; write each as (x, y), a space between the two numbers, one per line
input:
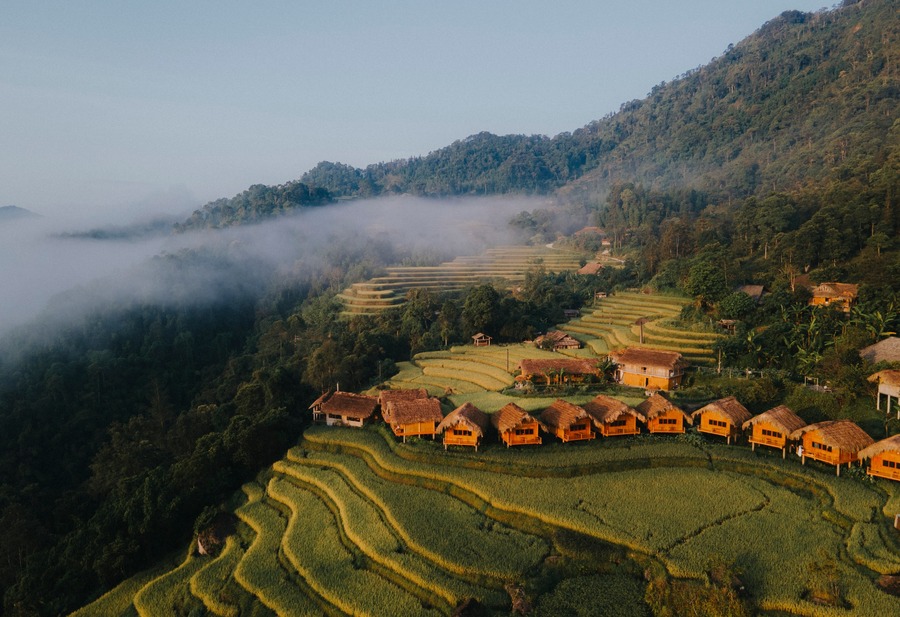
(618, 423)
(524, 431)
(891, 464)
(767, 433)
(668, 421)
(578, 427)
(821, 446)
(462, 431)
(334, 416)
(718, 423)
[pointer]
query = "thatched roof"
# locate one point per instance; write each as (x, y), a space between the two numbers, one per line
(754, 291)
(510, 417)
(548, 366)
(563, 414)
(728, 407)
(669, 360)
(887, 350)
(390, 396)
(416, 410)
(780, 416)
(890, 377)
(469, 416)
(321, 399)
(590, 268)
(842, 434)
(604, 409)
(891, 444)
(657, 405)
(833, 290)
(558, 338)
(350, 404)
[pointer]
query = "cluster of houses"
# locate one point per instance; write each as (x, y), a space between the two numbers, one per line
(413, 412)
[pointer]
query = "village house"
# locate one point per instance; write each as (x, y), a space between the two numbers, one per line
(343, 408)
(590, 269)
(464, 426)
(888, 396)
(516, 426)
(419, 416)
(771, 428)
(556, 340)
(613, 417)
(842, 295)
(834, 442)
(557, 371)
(652, 369)
(404, 394)
(662, 415)
(885, 458)
(567, 421)
(723, 417)
(481, 340)
(754, 291)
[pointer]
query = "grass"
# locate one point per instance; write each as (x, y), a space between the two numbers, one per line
(211, 583)
(169, 594)
(120, 599)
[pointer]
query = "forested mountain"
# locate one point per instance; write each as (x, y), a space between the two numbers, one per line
(8, 213)
(778, 158)
(803, 95)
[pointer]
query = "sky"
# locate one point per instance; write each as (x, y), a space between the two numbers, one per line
(133, 107)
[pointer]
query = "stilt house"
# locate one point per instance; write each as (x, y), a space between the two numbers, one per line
(419, 416)
(842, 295)
(516, 426)
(567, 421)
(771, 428)
(834, 442)
(888, 397)
(613, 417)
(464, 426)
(885, 458)
(344, 408)
(662, 415)
(655, 369)
(723, 417)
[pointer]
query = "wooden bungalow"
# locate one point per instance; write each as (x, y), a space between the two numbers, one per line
(516, 426)
(834, 442)
(654, 369)
(842, 295)
(591, 268)
(557, 371)
(344, 408)
(888, 396)
(613, 417)
(885, 458)
(723, 417)
(481, 340)
(556, 340)
(567, 421)
(419, 416)
(771, 428)
(464, 426)
(662, 415)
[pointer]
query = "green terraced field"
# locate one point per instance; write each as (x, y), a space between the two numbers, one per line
(352, 522)
(507, 264)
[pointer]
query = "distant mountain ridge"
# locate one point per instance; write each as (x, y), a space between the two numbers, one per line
(9, 213)
(789, 103)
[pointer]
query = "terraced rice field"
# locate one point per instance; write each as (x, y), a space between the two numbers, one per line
(508, 264)
(353, 523)
(611, 325)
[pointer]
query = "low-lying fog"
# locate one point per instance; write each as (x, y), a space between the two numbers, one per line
(40, 258)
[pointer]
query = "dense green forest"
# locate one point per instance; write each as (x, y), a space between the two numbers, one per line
(777, 159)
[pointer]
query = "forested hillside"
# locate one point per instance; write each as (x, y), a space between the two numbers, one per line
(803, 95)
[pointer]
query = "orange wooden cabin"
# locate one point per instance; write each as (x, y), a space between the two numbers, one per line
(842, 295)
(662, 415)
(343, 408)
(567, 421)
(613, 417)
(771, 428)
(516, 426)
(834, 442)
(654, 369)
(723, 417)
(884, 458)
(419, 416)
(464, 426)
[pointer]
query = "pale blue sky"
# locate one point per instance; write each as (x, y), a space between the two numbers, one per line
(104, 105)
